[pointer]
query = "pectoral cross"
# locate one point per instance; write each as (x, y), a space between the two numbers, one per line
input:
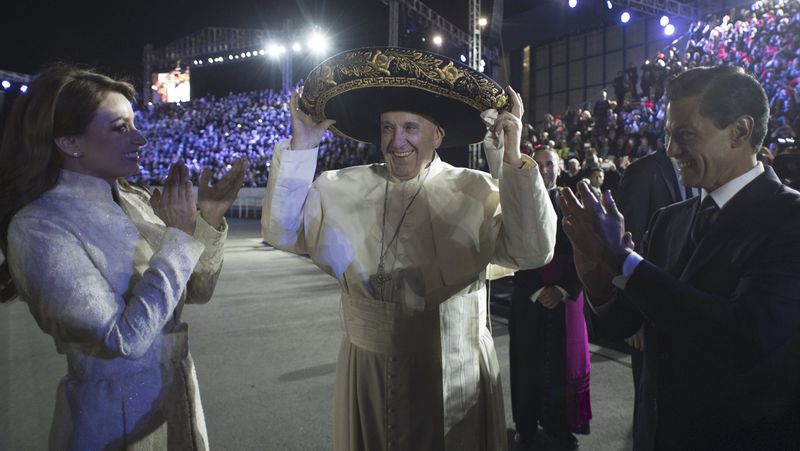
(378, 280)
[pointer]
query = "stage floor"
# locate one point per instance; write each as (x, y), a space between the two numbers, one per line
(265, 349)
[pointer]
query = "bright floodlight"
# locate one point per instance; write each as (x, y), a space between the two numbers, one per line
(23, 89)
(437, 40)
(669, 30)
(608, 4)
(482, 22)
(317, 43)
(625, 17)
(463, 58)
(573, 3)
(664, 21)
(6, 84)
(273, 50)
(297, 47)
(211, 60)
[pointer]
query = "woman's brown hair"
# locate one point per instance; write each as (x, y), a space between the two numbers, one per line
(61, 101)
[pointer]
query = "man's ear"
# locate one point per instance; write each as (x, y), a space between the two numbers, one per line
(68, 145)
(438, 136)
(742, 131)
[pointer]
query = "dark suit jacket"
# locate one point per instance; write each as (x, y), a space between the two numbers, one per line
(722, 349)
(647, 185)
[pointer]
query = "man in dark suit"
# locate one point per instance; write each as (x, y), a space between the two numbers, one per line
(540, 385)
(719, 285)
(648, 185)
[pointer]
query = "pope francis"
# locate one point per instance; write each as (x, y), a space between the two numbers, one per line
(409, 241)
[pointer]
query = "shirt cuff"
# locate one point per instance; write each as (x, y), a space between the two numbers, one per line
(628, 266)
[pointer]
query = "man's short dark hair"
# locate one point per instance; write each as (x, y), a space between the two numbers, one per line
(726, 93)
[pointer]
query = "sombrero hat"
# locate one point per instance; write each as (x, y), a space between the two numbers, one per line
(356, 86)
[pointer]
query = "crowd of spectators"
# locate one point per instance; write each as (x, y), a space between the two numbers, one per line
(764, 39)
(213, 131)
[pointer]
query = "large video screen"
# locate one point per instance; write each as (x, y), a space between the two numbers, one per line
(171, 86)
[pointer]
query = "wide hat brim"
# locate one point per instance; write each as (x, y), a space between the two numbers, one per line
(356, 86)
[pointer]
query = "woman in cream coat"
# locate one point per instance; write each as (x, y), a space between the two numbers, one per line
(105, 267)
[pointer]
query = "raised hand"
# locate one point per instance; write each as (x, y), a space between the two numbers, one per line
(216, 199)
(176, 205)
(599, 241)
(306, 134)
(511, 124)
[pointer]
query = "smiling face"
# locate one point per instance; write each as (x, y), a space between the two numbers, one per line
(408, 142)
(704, 153)
(111, 144)
(549, 167)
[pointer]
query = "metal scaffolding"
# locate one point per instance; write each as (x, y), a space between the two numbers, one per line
(211, 41)
(655, 7)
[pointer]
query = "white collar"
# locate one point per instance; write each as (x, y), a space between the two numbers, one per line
(725, 193)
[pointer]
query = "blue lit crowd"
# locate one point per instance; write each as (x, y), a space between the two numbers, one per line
(764, 39)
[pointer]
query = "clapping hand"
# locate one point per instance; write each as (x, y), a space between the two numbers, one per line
(215, 199)
(599, 241)
(176, 205)
(306, 134)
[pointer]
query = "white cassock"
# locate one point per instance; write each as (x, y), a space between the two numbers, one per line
(416, 370)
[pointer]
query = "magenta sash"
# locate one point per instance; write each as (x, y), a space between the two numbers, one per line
(578, 368)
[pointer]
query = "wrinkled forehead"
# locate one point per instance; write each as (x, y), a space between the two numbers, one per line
(395, 117)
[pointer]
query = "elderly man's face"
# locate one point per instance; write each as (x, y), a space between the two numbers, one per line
(549, 167)
(408, 142)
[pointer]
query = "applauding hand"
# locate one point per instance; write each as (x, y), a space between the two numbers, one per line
(176, 206)
(216, 199)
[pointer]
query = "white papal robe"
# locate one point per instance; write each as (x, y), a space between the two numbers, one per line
(417, 370)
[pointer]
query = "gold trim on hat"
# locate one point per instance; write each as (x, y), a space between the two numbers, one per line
(397, 67)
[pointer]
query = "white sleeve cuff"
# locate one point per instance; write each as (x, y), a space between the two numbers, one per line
(628, 266)
(535, 296)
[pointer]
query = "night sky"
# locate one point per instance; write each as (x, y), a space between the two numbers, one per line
(110, 35)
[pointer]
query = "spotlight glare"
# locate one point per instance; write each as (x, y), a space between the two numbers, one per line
(437, 40)
(6, 84)
(609, 5)
(249, 54)
(273, 50)
(573, 3)
(664, 21)
(230, 57)
(23, 89)
(463, 58)
(297, 47)
(669, 30)
(625, 17)
(482, 22)
(317, 43)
